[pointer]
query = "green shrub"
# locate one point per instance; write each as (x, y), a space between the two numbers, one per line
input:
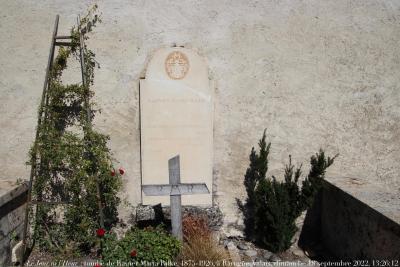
(272, 206)
(257, 171)
(277, 207)
(312, 184)
(149, 244)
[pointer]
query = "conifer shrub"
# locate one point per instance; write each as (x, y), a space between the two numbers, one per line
(272, 206)
(256, 172)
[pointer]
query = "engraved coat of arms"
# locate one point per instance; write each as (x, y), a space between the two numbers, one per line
(176, 65)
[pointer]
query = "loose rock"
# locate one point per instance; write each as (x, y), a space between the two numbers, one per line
(230, 245)
(267, 254)
(250, 253)
(233, 252)
(243, 246)
(298, 252)
(144, 213)
(274, 258)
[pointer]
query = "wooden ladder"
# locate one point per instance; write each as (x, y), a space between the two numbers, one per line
(56, 40)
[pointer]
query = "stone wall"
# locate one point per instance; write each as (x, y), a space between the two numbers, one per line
(349, 222)
(12, 212)
(315, 73)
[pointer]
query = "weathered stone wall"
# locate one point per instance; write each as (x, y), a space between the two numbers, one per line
(352, 230)
(12, 213)
(348, 222)
(315, 73)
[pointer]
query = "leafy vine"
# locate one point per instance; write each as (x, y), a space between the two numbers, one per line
(73, 164)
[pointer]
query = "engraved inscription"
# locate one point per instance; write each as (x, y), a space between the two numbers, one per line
(177, 100)
(176, 65)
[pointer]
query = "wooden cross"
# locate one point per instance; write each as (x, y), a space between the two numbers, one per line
(175, 189)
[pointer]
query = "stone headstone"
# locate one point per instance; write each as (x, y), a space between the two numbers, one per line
(176, 112)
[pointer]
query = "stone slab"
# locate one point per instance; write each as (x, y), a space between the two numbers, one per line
(176, 109)
(9, 190)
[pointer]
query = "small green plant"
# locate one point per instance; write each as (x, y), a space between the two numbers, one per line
(272, 206)
(19, 181)
(14, 236)
(151, 245)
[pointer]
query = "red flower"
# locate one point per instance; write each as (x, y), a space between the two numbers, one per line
(97, 265)
(121, 171)
(133, 253)
(112, 173)
(100, 232)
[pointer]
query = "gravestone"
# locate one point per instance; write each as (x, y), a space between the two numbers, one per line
(176, 114)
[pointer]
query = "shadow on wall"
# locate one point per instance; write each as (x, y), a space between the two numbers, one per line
(341, 227)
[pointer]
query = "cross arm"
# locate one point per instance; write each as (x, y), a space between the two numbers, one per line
(179, 189)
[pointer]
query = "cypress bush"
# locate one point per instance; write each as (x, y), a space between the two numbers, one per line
(256, 172)
(272, 206)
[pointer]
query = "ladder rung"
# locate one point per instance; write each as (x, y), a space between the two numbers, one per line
(33, 202)
(63, 37)
(63, 44)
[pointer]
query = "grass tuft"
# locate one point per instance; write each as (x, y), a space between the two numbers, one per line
(200, 246)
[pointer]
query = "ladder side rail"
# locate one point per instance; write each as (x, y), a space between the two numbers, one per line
(34, 153)
(88, 113)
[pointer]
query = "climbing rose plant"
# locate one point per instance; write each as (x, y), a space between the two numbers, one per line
(73, 163)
